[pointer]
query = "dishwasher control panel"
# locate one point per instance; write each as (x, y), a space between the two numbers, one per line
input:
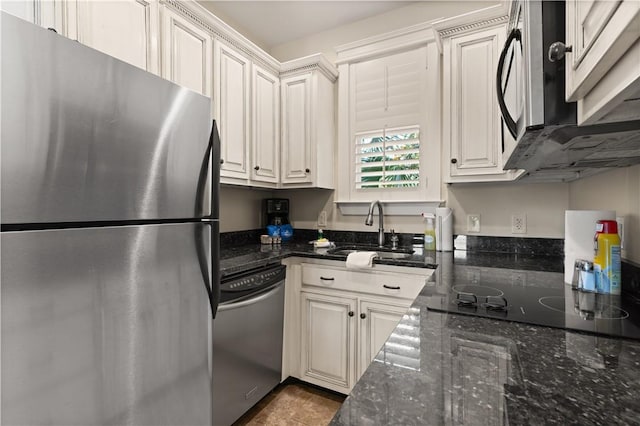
(254, 279)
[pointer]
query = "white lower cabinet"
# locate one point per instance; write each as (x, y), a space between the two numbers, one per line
(377, 322)
(328, 340)
(345, 319)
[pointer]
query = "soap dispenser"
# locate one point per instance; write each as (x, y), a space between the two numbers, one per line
(429, 231)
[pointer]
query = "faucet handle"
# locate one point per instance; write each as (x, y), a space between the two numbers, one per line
(394, 239)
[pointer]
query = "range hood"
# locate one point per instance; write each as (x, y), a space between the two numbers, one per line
(564, 153)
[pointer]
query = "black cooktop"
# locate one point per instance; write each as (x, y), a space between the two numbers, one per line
(540, 298)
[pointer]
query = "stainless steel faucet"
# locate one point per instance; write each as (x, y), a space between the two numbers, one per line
(369, 221)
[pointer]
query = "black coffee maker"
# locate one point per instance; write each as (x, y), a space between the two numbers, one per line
(275, 211)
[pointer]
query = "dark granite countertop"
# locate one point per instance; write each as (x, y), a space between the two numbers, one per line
(442, 368)
(455, 369)
(245, 257)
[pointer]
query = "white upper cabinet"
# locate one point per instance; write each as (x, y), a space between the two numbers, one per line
(603, 68)
(473, 135)
(265, 129)
(22, 9)
(600, 33)
(231, 110)
(46, 13)
(187, 52)
(308, 124)
(296, 129)
(124, 29)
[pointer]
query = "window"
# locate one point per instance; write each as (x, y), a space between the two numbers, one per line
(389, 158)
(389, 117)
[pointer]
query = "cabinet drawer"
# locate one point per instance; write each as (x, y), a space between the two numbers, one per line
(404, 286)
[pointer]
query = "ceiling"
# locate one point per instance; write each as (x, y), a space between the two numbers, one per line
(271, 23)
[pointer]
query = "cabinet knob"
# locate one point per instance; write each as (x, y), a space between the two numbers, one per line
(363, 315)
(454, 160)
(256, 168)
(351, 313)
(221, 161)
(307, 171)
(557, 51)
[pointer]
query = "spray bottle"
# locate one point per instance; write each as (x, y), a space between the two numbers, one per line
(429, 231)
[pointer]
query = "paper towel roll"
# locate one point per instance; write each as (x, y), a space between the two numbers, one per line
(579, 230)
(444, 229)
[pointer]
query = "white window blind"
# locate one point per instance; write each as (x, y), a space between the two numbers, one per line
(388, 158)
(389, 90)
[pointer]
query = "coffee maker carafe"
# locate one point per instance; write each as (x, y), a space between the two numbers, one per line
(275, 211)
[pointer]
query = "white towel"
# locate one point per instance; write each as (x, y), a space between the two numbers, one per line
(361, 259)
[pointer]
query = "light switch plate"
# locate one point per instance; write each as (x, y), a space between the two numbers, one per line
(322, 219)
(473, 223)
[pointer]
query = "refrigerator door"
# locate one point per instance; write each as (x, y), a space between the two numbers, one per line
(106, 326)
(86, 137)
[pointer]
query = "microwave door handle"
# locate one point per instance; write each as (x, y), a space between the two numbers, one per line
(508, 120)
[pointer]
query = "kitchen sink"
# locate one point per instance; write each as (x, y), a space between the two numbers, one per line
(382, 252)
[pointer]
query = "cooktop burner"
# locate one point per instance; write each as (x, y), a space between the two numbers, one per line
(478, 290)
(590, 308)
(540, 298)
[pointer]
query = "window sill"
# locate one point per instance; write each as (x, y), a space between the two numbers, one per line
(391, 208)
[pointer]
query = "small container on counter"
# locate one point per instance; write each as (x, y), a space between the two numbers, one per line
(583, 276)
(607, 261)
(266, 239)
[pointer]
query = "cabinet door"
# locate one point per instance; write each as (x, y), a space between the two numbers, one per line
(124, 29)
(296, 128)
(377, 322)
(25, 9)
(187, 52)
(232, 71)
(600, 32)
(328, 341)
(265, 139)
(476, 143)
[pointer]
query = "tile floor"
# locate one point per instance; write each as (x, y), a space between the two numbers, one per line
(294, 404)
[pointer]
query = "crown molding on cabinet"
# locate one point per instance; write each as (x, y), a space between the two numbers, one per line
(310, 63)
(385, 44)
(471, 21)
(223, 31)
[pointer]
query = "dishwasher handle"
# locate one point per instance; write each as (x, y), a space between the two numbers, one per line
(250, 301)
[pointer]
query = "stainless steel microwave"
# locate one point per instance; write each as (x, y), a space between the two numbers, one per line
(540, 134)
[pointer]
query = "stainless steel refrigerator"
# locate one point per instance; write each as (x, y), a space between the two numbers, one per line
(109, 261)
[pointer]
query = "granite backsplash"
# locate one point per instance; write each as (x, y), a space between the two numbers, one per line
(551, 247)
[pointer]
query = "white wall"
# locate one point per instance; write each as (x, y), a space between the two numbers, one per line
(544, 205)
(416, 13)
(617, 190)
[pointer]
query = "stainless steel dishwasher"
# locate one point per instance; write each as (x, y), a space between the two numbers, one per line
(247, 341)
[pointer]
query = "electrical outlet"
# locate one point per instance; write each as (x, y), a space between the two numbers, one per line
(620, 220)
(322, 219)
(519, 223)
(473, 223)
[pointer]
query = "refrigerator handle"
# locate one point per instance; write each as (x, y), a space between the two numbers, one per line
(211, 282)
(211, 155)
